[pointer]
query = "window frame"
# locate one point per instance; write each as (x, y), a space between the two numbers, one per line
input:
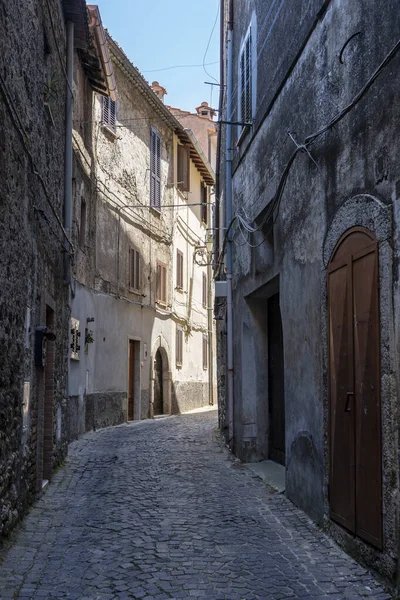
(155, 169)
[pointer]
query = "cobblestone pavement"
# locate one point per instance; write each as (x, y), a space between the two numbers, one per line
(158, 510)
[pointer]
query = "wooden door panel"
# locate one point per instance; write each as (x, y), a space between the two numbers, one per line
(367, 397)
(342, 468)
(131, 380)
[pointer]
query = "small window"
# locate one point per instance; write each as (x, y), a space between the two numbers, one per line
(204, 204)
(179, 346)
(134, 269)
(205, 351)
(161, 288)
(155, 170)
(183, 168)
(75, 339)
(109, 116)
(204, 290)
(82, 227)
(179, 269)
(246, 110)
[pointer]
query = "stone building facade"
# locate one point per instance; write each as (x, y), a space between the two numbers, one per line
(316, 259)
(135, 227)
(35, 247)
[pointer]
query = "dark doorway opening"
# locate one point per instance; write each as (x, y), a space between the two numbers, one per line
(48, 405)
(133, 380)
(158, 406)
(355, 487)
(276, 395)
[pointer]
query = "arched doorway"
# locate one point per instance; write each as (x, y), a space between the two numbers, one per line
(355, 482)
(158, 403)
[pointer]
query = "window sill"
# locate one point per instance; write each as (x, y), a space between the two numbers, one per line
(109, 130)
(135, 291)
(155, 210)
(162, 304)
(180, 290)
(243, 134)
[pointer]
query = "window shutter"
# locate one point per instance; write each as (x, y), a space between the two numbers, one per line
(158, 285)
(109, 117)
(106, 111)
(179, 346)
(246, 112)
(155, 170)
(204, 290)
(183, 168)
(137, 270)
(205, 351)
(179, 269)
(164, 284)
(204, 204)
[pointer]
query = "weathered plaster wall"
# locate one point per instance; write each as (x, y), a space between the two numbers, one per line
(31, 266)
(355, 183)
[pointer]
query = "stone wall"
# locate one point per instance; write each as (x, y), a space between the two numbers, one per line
(31, 246)
(354, 182)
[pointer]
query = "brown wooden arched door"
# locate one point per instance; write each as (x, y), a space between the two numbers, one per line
(355, 488)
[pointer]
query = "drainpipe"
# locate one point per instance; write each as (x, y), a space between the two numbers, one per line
(218, 157)
(228, 219)
(210, 321)
(68, 148)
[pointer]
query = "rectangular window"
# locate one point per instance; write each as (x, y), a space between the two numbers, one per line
(161, 288)
(109, 113)
(246, 111)
(155, 170)
(204, 290)
(134, 269)
(179, 346)
(204, 204)
(82, 227)
(179, 269)
(205, 351)
(183, 168)
(75, 339)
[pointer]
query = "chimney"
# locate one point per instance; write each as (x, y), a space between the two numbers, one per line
(159, 90)
(204, 110)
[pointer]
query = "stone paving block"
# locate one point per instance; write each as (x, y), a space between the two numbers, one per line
(161, 511)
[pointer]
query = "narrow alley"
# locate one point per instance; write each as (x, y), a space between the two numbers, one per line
(158, 509)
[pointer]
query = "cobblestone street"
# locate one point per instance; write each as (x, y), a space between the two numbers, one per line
(157, 510)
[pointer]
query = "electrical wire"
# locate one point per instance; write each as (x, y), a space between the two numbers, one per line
(180, 67)
(310, 139)
(209, 42)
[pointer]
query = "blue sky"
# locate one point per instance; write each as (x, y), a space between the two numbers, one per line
(156, 34)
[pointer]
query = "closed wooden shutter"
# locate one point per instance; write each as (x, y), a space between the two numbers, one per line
(179, 269)
(179, 346)
(204, 204)
(134, 269)
(161, 286)
(205, 351)
(155, 170)
(183, 168)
